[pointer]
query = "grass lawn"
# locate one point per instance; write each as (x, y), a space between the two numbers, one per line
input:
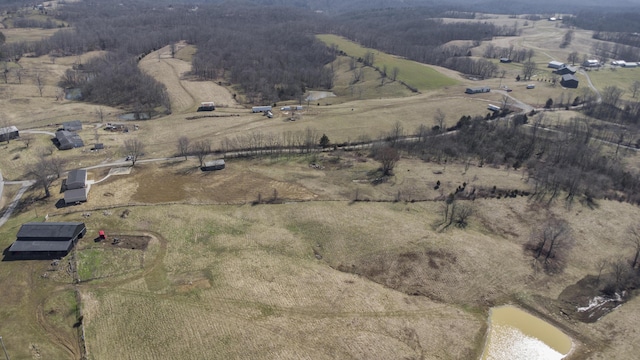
(413, 73)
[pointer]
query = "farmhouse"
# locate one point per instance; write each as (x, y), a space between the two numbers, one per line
(206, 106)
(591, 63)
(9, 133)
(566, 69)
(74, 125)
(289, 108)
(569, 81)
(213, 165)
(257, 109)
(477, 90)
(50, 239)
(555, 64)
(66, 140)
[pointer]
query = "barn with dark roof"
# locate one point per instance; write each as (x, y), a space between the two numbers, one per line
(47, 239)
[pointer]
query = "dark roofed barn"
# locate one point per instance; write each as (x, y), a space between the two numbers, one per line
(76, 179)
(75, 125)
(569, 81)
(566, 69)
(66, 140)
(48, 239)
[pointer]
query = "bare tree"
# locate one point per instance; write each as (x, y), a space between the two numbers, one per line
(550, 244)
(601, 265)
(439, 118)
(201, 149)
(19, 72)
(44, 174)
(183, 146)
(633, 232)
(39, 82)
(611, 95)
(134, 148)
(388, 157)
(573, 57)
(100, 113)
(528, 69)
(5, 72)
(26, 139)
(566, 39)
(634, 88)
(394, 73)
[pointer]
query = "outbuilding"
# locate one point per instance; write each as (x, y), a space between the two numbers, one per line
(47, 239)
(9, 133)
(76, 196)
(66, 140)
(264, 109)
(566, 69)
(213, 165)
(207, 106)
(76, 179)
(75, 125)
(477, 90)
(569, 81)
(555, 64)
(505, 60)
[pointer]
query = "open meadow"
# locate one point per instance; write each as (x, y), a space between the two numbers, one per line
(296, 256)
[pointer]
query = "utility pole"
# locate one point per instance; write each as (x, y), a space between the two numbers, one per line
(4, 349)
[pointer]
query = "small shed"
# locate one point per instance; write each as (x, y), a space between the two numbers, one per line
(569, 81)
(206, 106)
(213, 165)
(9, 133)
(477, 90)
(76, 179)
(75, 125)
(98, 146)
(555, 64)
(76, 196)
(505, 60)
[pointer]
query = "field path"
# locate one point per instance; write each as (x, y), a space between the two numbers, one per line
(185, 93)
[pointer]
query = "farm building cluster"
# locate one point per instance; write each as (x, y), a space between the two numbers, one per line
(75, 187)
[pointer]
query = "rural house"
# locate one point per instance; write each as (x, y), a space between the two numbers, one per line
(74, 125)
(47, 239)
(591, 63)
(213, 165)
(66, 140)
(477, 90)
(569, 81)
(76, 196)
(9, 133)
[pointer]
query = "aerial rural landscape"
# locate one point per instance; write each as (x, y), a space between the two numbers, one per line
(319, 180)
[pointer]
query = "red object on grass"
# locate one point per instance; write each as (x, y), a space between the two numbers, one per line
(102, 235)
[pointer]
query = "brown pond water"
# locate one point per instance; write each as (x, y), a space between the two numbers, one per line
(515, 334)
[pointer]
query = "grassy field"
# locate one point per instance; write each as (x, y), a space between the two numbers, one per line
(420, 76)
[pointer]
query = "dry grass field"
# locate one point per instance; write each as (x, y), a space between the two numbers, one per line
(204, 271)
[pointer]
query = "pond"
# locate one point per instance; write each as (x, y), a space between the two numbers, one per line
(515, 334)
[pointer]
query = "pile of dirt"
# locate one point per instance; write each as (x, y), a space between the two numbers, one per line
(133, 242)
